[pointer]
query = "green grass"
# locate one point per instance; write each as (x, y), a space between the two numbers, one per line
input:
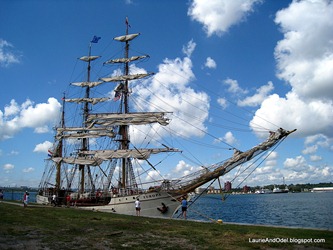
(68, 228)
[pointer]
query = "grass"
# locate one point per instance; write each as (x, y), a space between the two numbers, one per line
(68, 228)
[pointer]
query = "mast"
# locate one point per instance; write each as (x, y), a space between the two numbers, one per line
(60, 148)
(85, 141)
(124, 128)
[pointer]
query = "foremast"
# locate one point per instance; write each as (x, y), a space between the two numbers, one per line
(82, 133)
(59, 149)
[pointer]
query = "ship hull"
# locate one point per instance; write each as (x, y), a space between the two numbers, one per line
(151, 205)
(40, 199)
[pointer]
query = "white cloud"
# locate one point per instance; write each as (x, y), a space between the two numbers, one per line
(7, 55)
(234, 87)
(169, 91)
(8, 167)
(297, 164)
(43, 147)
(42, 129)
(16, 117)
(189, 48)
(218, 16)
(229, 138)
(304, 60)
(309, 118)
(222, 102)
(314, 138)
(315, 158)
(257, 98)
(28, 170)
(12, 109)
(305, 55)
(210, 63)
(310, 150)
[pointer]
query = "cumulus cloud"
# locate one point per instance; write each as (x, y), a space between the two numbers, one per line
(27, 115)
(7, 55)
(256, 99)
(222, 102)
(189, 48)
(310, 150)
(210, 63)
(169, 90)
(234, 87)
(297, 170)
(297, 164)
(227, 138)
(183, 168)
(292, 112)
(43, 147)
(217, 16)
(8, 167)
(315, 158)
(305, 61)
(305, 55)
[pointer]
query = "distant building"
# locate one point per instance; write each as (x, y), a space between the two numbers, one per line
(323, 189)
(246, 189)
(227, 186)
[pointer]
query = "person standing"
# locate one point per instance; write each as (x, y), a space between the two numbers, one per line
(25, 199)
(54, 200)
(68, 200)
(137, 207)
(184, 207)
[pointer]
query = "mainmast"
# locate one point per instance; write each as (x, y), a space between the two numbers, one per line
(124, 118)
(124, 128)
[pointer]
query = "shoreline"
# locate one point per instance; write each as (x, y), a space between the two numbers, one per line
(17, 203)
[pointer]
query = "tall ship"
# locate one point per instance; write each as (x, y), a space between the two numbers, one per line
(94, 162)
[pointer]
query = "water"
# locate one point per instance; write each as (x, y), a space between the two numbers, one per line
(18, 196)
(312, 210)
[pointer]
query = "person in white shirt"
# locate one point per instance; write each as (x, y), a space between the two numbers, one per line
(137, 207)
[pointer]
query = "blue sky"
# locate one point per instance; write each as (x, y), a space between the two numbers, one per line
(232, 65)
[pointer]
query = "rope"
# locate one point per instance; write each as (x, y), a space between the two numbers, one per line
(255, 167)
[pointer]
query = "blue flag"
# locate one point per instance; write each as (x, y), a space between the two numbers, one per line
(95, 39)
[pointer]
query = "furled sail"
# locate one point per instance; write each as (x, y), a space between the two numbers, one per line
(125, 60)
(80, 129)
(126, 38)
(127, 153)
(124, 77)
(88, 58)
(128, 119)
(87, 84)
(78, 160)
(85, 135)
(90, 100)
(79, 132)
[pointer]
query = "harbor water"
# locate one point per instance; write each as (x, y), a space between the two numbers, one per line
(17, 195)
(306, 210)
